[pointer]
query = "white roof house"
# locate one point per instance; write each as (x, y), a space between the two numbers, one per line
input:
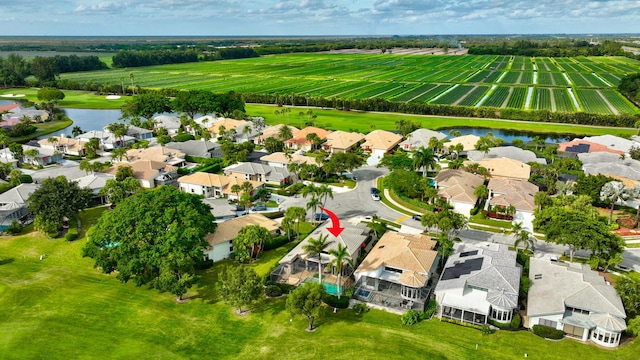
(479, 283)
(420, 138)
(610, 164)
(613, 142)
(573, 298)
(510, 152)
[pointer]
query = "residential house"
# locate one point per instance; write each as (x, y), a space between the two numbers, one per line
(108, 141)
(509, 152)
(420, 138)
(158, 154)
(213, 185)
(14, 204)
(478, 284)
(139, 133)
(169, 122)
(149, 173)
(259, 172)
(300, 142)
(225, 126)
(397, 271)
(298, 267)
(342, 141)
(613, 142)
(504, 167)
(221, 241)
(575, 299)
(197, 148)
(44, 156)
(468, 142)
(15, 112)
(64, 145)
(205, 121)
(610, 164)
(378, 143)
(458, 187)
(516, 193)
(246, 132)
(273, 131)
(221, 209)
(580, 146)
(280, 159)
(95, 181)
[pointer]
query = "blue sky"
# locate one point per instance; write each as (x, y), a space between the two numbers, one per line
(316, 17)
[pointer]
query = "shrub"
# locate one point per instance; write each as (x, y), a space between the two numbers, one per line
(286, 288)
(547, 332)
(360, 308)
(70, 236)
(272, 291)
(14, 228)
(26, 179)
(275, 242)
(410, 318)
(431, 309)
(333, 301)
(516, 321)
(184, 137)
(274, 214)
(486, 329)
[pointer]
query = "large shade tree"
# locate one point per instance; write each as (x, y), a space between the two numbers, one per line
(153, 237)
(55, 199)
(307, 300)
(145, 105)
(239, 286)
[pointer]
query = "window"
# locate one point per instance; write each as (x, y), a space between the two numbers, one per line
(548, 323)
(231, 248)
(390, 269)
(537, 276)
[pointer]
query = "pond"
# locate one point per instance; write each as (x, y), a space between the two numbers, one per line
(90, 119)
(509, 135)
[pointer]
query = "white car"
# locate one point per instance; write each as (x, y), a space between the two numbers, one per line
(375, 197)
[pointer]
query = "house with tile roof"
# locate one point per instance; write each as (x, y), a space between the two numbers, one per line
(213, 185)
(298, 267)
(15, 112)
(516, 193)
(273, 131)
(300, 142)
(457, 187)
(504, 167)
(14, 204)
(158, 154)
(479, 283)
(342, 141)
(149, 173)
(221, 240)
(581, 146)
(64, 145)
(468, 142)
(575, 299)
(222, 209)
(420, 138)
(610, 164)
(259, 172)
(396, 272)
(108, 141)
(197, 148)
(613, 142)
(95, 182)
(509, 152)
(43, 156)
(169, 122)
(378, 143)
(280, 159)
(139, 133)
(227, 125)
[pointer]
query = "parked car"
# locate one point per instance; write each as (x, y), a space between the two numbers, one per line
(417, 217)
(375, 197)
(320, 217)
(374, 191)
(259, 207)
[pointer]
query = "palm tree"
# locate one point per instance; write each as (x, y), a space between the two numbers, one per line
(481, 192)
(235, 188)
(76, 131)
(4, 139)
(315, 247)
(516, 228)
(133, 89)
(445, 247)
(285, 133)
(313, 204)
(33, 155)
(525, 238)
(613, 191)
(340, 257)
(325, 192)
(53, 140)
(424, 158)
(246, 131)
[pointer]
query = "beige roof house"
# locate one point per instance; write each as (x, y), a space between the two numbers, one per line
(149, 173)
(280, 158)
(468, 142)
(458, 185)
(381, 140)
(274, 131)
(342, 141)
(157, 153)
(510, 192)
(504, 167)
(64, 144)
(228, 230)
(414, 254)
(218, 184)
(227, 123)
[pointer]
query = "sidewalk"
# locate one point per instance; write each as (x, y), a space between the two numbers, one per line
(389, 199)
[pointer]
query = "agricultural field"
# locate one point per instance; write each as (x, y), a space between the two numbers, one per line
(406, 78)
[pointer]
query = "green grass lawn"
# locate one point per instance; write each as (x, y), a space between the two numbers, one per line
(61, 308)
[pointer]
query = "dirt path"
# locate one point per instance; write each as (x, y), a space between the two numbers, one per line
(615, 111)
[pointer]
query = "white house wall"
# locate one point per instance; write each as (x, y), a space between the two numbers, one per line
(219, 252)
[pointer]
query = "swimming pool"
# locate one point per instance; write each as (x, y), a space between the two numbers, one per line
(329, 288)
